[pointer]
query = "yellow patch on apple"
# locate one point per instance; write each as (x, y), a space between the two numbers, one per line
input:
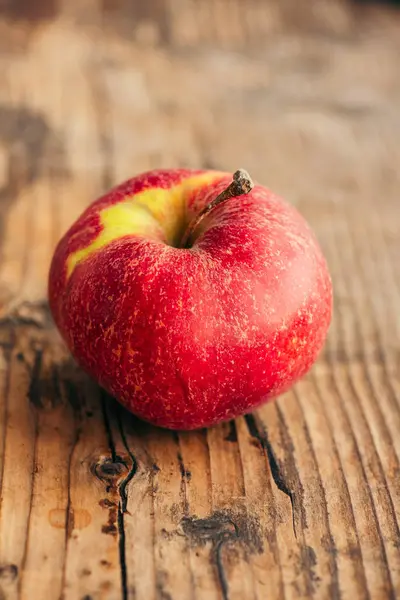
(156, 213)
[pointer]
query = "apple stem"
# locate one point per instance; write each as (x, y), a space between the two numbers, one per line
(241, 184)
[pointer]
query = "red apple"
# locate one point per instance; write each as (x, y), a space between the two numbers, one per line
(189, 333)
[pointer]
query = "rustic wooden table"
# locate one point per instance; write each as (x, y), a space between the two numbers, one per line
(302, 498)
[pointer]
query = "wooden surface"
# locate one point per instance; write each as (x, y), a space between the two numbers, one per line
(302, 498)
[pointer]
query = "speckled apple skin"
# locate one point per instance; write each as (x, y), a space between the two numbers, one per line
(186, 338)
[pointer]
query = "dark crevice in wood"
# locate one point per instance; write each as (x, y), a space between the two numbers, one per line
(44, 388)
(185, 475)
(73, 394)
(219, 529)
(134, 464)
(221, 570)
(259, 433)
(290, 474)
(223, 528)
(123, 505)
(287, 480)
(122, 554)
(204, 434)
(232, 435)
(120, 513)
(270, 531)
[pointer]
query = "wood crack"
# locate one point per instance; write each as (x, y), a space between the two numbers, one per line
(185, 475)
(116, 465)
(134, 465)
(220, 529)
(120, 520)
(224, 538)
(260, 434)
(223, 581)
(122, 508)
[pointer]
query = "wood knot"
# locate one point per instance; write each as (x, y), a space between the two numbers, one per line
(110, 469)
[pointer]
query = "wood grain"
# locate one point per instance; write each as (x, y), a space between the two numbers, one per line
(300, 499)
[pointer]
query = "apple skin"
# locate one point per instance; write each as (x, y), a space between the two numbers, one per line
(187, 338)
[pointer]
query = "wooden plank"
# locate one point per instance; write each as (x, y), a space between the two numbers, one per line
(300, 499)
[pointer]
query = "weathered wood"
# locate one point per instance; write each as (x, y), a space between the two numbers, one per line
(300, 499)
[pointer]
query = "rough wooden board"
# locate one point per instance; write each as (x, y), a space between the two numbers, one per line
(302, 498)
